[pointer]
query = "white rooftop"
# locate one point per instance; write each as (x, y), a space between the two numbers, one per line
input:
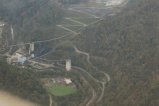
(68, 80)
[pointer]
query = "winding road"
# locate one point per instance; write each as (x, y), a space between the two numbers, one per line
(90, 102)
(88, 60)
(106, 75)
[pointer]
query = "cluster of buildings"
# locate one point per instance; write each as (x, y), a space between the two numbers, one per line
(57, 81)
(22, 57)
(21, 54)
(17, 56)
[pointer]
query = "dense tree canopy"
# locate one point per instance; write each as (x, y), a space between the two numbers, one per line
(126, 46)
(23, 83)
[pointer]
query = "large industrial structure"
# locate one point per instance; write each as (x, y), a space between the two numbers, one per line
(68, 65)
(18, 56)
(31, 48)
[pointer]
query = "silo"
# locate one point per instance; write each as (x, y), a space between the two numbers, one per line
(68, 65)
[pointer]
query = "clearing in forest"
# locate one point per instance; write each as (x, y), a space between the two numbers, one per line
(62, 90)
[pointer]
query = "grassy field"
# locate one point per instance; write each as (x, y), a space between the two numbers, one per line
(61, 90)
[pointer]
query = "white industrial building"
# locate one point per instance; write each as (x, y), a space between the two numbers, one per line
(68, 65)
(17, 57)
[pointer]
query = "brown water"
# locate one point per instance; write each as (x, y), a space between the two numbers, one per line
(7, 99)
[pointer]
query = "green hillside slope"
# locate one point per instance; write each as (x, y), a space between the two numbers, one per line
(32, 20)
(126, 46)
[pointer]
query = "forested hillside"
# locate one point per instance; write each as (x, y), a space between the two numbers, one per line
(23, 83)
(32, 19)
(126, 46)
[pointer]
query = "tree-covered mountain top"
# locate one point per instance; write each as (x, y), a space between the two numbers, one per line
(18, 11)
(33, 19)
(138, 22)
(126, 46)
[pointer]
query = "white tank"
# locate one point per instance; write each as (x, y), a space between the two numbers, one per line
(68, 65)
